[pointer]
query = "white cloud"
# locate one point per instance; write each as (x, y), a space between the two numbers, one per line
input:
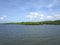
(57, 15)
(39, 16)
(29, 16)
(34, 15)
(2, 17)
(49, 17)
(42, 18)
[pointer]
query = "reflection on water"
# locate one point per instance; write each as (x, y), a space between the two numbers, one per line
(29, 34)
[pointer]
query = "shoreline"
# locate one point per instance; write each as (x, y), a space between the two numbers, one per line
(56, 22)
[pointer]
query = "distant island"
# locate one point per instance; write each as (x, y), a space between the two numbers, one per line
(55, 22)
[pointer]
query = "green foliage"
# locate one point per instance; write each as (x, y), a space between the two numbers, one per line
(56, 22)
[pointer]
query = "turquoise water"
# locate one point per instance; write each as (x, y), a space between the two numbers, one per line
(29, 34)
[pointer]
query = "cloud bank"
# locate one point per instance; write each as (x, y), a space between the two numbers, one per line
(3, 17)
(35, 15)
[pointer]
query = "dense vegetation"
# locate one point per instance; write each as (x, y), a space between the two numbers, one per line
(56, 22)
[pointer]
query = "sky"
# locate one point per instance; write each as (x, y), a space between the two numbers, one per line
(29, 10)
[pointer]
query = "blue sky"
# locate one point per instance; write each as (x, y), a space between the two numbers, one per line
(29, 10)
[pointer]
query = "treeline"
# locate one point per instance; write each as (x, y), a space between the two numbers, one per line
(56, 22)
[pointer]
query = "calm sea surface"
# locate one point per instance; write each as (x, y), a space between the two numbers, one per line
(29, 34)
